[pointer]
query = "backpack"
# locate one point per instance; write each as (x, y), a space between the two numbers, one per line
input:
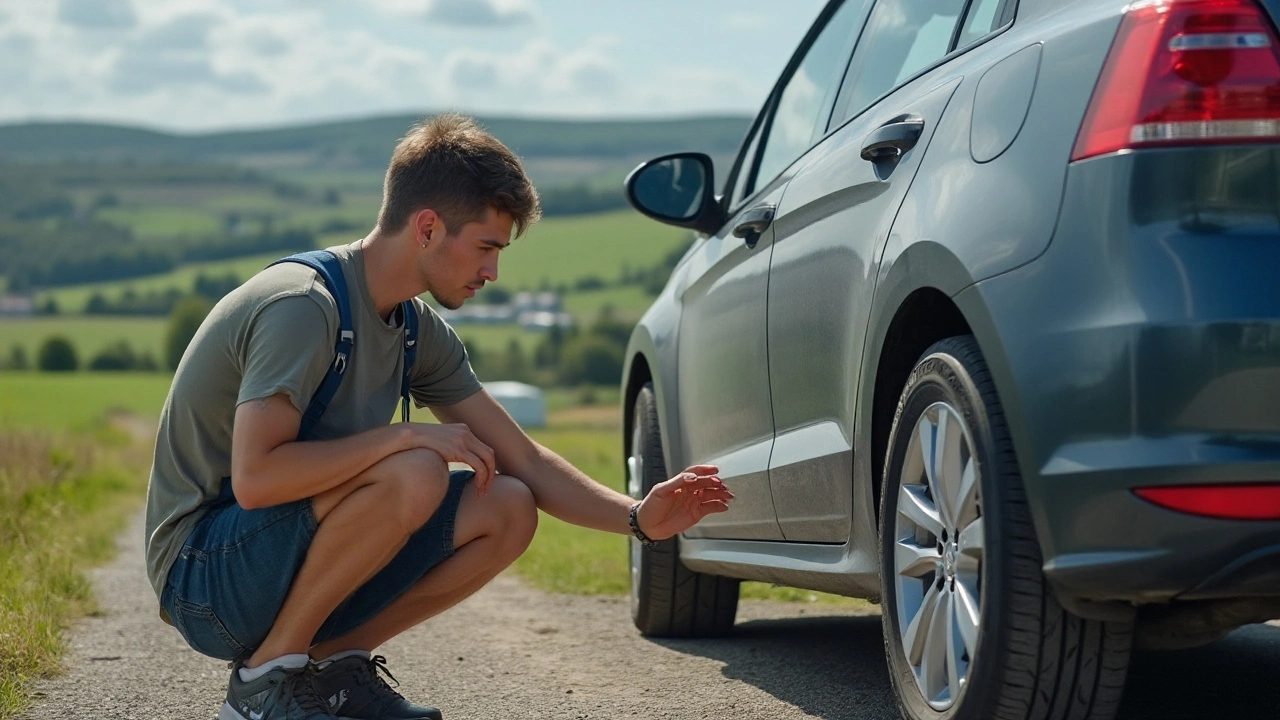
(329, 269)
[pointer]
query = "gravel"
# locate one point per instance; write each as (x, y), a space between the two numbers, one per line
(514, 652)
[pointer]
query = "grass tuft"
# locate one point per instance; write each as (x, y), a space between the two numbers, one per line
(62, 501)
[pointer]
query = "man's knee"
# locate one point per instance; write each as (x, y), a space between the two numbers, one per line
(519, 513)
(412, 484)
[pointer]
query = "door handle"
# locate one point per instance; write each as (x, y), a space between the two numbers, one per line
(752, 223)
(891, 140)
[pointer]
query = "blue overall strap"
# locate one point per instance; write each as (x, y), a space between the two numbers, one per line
(327, 267)
(410, 351)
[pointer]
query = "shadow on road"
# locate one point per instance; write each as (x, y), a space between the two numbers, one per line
(1236, 678)
(834, 668)
(829, 667)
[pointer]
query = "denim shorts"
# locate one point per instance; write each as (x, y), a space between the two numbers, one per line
(231, 577)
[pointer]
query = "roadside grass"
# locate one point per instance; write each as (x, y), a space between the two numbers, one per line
(63, 499)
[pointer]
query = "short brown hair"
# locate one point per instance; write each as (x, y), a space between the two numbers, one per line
(453, 166)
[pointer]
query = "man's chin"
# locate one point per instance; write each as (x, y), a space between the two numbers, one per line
(449, 303)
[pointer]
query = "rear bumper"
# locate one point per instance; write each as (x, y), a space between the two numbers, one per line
(1143, 348)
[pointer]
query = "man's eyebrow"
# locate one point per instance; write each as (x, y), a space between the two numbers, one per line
(495, 243)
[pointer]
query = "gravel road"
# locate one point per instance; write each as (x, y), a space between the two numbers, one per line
(514, 652)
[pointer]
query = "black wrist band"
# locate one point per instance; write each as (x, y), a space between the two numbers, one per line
(634, 521)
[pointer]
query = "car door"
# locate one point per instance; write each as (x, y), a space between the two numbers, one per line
(723, 368)
(829, 230)
(723, 375)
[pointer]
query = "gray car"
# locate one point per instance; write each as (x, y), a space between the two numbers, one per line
(983, 324)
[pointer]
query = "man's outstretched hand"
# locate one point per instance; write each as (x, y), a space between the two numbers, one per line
(676, 505)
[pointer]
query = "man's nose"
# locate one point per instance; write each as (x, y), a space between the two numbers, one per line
(489, 271)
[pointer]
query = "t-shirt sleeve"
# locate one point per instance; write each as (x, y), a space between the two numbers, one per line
(287, 349)
(442, 373)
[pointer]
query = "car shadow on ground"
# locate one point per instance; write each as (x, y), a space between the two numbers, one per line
(829, 667)
(834, 668)
(1235, 678)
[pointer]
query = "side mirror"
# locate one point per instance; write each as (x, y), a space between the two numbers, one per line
(678, 190)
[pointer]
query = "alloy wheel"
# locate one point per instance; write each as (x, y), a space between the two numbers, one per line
(938, 550)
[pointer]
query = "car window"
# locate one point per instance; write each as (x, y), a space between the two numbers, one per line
(804, 105)
(983, 19)
(902, 37)
(738, 192)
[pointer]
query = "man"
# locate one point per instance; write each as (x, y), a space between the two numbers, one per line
(296, 559)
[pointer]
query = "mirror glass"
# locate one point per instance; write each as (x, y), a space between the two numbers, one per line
(672, 188)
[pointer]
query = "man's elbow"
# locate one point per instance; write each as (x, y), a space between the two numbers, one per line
(248, 493)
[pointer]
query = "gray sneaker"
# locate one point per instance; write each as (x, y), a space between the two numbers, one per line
(355, 691)
(280, 694)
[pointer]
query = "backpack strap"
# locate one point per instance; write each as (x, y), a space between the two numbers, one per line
(410, 352)
(328, 268)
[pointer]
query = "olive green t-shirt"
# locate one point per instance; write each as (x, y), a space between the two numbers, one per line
(275, 335)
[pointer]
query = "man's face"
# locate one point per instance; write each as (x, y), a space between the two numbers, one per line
(459, 262)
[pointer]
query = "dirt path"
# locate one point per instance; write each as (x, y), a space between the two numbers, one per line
(508, 652)
(514, 652)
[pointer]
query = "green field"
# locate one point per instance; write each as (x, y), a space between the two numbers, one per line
(89, 334)
(78, 401)
(555, 251)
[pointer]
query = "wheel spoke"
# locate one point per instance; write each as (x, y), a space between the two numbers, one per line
(914, 561)
(965, 606)
(913, 638)
(954, 652)
(973, 540)
(933, 664)
(967, 496)
(949, 467)
(913, 505)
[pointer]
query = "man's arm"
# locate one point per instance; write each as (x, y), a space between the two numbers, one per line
(565, 492)
(268, 466)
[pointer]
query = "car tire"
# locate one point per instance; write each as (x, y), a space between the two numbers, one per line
(668, 599)
(971, 628)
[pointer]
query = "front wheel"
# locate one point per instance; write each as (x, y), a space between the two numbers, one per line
(667, 598)
(971, 629)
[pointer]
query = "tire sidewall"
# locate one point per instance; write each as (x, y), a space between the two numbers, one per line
(943, 376)
(645, 417)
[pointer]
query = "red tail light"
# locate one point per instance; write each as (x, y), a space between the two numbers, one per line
(1231, 502)
(1186, 72)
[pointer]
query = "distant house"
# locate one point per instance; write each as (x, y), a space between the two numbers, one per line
(17, 306)
(532, 311)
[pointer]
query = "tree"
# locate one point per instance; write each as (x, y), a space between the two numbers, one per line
(591, 359)
(57, 354)
(17, 359)
(184, 320)
(516, 367)
(117, 356)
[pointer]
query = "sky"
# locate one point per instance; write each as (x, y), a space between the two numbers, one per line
(199, 65)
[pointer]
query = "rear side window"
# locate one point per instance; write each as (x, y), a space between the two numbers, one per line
(985, 17)
(902, 37)
(805, 103)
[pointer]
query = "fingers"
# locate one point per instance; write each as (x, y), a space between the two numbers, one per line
(483, 474)
(688, 482)
(485, 465)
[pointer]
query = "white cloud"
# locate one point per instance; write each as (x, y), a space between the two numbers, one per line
(480, 13)
(96, 14)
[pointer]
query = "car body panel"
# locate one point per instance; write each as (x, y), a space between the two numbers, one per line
(724, 401)
(832, 223)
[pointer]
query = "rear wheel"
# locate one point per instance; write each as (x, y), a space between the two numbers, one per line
(971, 629)
(668, 599)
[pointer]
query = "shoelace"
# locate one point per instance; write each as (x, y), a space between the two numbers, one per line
(376, 663)
(305, 695)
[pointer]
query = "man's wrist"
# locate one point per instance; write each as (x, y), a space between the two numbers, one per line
(633, 519)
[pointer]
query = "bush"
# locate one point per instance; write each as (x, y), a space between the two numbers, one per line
(591, 359)
(57, 354)
(17, 359)
(184, 321)
(118, 356)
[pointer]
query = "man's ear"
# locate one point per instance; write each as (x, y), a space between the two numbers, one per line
(426, 225)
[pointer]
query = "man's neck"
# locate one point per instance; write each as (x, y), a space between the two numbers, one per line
(389, 271)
